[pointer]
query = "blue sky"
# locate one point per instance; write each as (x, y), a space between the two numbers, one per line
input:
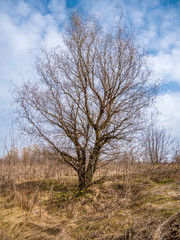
(28, 25)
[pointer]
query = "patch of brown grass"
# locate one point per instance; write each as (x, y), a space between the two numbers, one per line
(128, 203)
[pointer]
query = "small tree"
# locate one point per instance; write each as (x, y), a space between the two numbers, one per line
(176, 155)
(158, 145)
(89, 95)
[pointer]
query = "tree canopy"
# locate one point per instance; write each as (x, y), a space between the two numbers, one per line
(89, 95)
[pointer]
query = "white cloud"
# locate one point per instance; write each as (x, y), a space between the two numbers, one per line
(22, 29)
(167, 65)
(19, 37)
(52, 38)
(23, 9)
(169, 108)
(58, 7)
(106, 11)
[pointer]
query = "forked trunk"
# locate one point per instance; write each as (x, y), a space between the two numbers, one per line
(86, 173)
(85, 177)
(82, 179)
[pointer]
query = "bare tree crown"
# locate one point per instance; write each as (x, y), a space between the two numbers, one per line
(91, 94)
(158, 145)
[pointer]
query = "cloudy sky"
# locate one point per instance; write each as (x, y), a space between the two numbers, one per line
(26, 25)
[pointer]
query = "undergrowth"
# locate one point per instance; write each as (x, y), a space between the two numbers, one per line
(135, 203)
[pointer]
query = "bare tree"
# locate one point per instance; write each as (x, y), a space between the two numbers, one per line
(158, 145)
(89, 95)
(176, 155)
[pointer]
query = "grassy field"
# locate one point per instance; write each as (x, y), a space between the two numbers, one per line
(128, 201)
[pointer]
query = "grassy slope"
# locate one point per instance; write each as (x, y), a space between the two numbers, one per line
(131, 204)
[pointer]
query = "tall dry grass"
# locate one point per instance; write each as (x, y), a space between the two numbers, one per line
(127, 201)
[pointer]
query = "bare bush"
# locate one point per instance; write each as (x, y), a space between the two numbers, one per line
(176, 157)
(158, 145)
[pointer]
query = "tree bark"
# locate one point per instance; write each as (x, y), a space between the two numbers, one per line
(85, 178)
(85, 175)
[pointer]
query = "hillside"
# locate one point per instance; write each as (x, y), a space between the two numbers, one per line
(134, 201)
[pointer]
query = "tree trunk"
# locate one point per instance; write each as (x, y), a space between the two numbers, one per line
(86, 175)
(85, 179)
(82, 179)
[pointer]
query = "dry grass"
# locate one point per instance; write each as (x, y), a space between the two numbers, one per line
(131, 201)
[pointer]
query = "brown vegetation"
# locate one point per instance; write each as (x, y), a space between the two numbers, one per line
(158, 145)
(126, 201)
